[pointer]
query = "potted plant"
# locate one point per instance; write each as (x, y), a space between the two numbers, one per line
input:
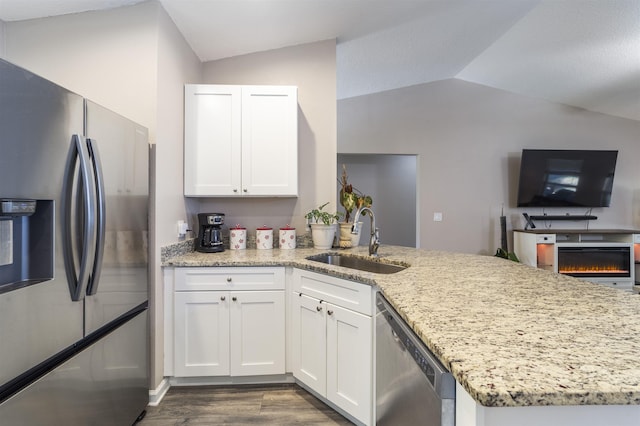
(323, 228)
(350, 198)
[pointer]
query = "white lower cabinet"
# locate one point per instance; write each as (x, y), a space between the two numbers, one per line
(230, 321)
(239, 332)
(257, 333)
(201, 334)
(333, 345)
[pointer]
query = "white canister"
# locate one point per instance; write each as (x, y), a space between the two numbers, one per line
(238, 238)
(287, 237)
(264, 238)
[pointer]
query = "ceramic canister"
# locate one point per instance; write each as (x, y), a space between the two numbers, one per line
(287, 237)
(264, 238)
(238, 238)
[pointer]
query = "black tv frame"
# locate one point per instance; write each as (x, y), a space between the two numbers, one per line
(562, 152)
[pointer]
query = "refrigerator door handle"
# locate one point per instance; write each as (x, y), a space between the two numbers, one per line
(101, 217)
(86, 210)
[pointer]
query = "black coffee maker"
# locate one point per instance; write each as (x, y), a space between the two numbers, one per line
(210, 232)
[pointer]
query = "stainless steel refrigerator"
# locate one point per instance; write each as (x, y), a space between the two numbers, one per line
(73, 258)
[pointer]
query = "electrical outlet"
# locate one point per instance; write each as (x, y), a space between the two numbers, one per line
(437, 216)
(183, 227)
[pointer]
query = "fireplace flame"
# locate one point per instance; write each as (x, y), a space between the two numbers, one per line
(591, 269)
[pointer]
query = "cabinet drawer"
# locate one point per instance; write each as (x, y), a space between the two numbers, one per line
(229, 278)
(347, 294)
(546, 239)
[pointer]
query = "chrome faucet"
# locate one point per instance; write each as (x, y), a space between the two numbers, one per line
(374, 241)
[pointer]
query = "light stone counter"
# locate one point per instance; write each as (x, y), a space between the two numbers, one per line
(512, 335)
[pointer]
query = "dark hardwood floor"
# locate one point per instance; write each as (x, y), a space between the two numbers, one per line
(283, 404)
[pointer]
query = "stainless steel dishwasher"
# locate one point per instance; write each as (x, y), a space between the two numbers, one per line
(412, 387)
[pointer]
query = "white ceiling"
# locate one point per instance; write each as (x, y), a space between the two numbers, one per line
(584, 53)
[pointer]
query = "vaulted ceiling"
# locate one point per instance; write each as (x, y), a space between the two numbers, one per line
(582, 53)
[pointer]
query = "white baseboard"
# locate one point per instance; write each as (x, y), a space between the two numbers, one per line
(228, 380)
(156, 395)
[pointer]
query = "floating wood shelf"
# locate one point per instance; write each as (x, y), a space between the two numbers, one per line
(564, 217)
(573, 217)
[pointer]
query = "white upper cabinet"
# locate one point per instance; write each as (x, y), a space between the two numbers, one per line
(241, 141)
(212, 144)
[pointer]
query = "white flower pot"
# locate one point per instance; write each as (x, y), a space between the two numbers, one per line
(322, 235)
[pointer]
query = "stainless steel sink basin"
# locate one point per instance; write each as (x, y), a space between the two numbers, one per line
(359, 263)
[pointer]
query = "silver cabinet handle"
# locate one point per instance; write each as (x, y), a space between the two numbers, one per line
(228, 279)
(318, 308)
(245, 190)
(235, 189)
(329, 312)
(223, 298)
(234, 298)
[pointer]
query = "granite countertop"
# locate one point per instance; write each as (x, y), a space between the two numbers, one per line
(512, 335)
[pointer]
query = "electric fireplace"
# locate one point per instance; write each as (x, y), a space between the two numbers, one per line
(610, 257)
(593, 262)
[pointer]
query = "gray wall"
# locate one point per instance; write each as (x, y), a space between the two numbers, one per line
(468, 139)
(391, 181)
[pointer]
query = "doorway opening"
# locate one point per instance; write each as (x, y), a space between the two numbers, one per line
(391, 180)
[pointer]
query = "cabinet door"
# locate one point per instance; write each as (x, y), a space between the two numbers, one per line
(201, 335)
(309, 340)
(349, 361)
(212, 140)
(269, 140)
(257, 342)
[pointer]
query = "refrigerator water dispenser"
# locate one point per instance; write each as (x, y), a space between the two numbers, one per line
(26, 242)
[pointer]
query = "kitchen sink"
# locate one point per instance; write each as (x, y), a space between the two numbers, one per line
(359, 263)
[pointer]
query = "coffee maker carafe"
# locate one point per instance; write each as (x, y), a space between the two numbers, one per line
(210, 232)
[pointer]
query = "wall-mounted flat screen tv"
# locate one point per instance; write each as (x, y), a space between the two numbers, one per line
(566, 178)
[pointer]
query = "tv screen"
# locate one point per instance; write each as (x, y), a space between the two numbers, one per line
(566, 178)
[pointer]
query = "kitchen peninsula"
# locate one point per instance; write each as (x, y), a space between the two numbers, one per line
(526, 346)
